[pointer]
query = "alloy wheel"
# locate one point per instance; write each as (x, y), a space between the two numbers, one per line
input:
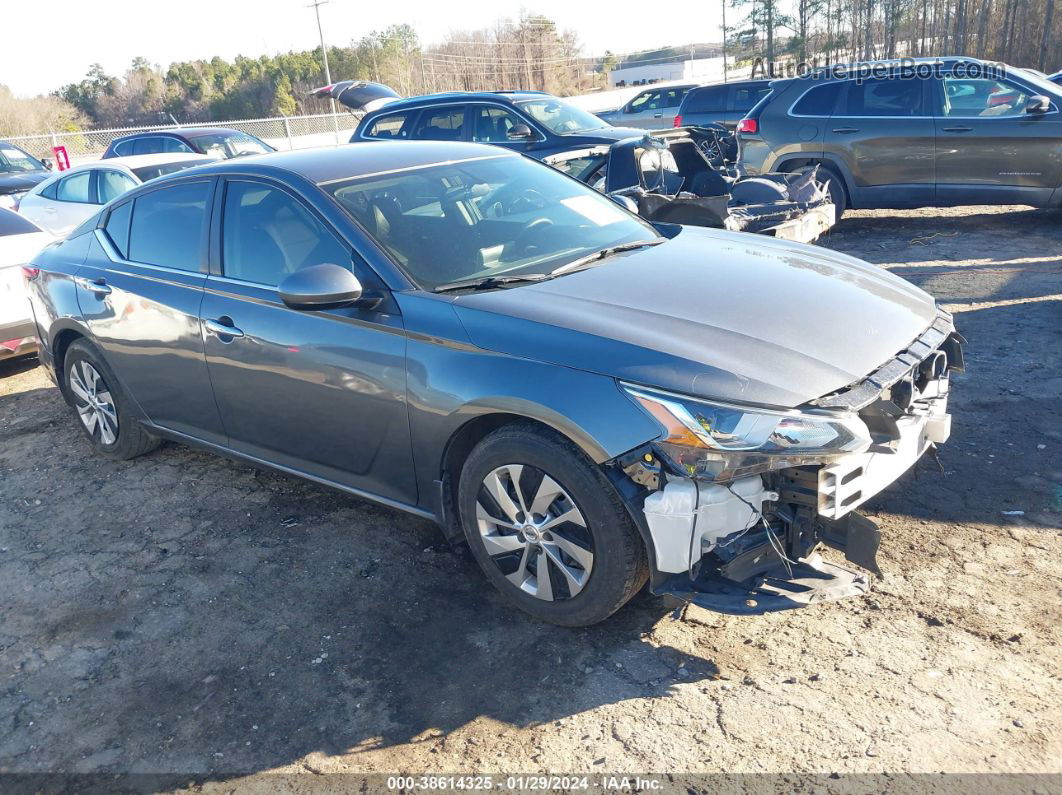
(94, 403)
(534, 532)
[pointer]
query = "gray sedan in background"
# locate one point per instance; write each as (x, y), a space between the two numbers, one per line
(454, 330)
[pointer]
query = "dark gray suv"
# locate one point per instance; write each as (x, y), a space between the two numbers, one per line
(916, 133)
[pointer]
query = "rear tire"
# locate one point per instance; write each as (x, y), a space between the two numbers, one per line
(101, 406)
(834, 186)
(547, 528)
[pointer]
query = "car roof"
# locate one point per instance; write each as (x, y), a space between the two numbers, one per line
(131, 162)
(179, 132)
(730, 83)
(509, 97)
(349, 161)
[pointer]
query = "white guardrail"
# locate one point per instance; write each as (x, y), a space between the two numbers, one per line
(283, 132)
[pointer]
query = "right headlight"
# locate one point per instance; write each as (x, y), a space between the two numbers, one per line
(719, 441)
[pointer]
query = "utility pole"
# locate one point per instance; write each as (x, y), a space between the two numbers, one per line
(316, 6)
(724, 41)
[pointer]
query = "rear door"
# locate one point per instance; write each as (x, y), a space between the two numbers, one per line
(988, 148)
(139, 292)
(318, 392)
(882, 132)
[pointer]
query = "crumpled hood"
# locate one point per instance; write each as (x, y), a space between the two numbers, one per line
(21, 181)
(723, 315)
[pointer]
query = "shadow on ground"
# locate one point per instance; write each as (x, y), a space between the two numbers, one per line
(184, 613)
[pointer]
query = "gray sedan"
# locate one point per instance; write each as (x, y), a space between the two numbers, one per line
(589, 401)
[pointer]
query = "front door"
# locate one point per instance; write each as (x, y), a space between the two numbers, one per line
(884, 136)
(989, 149)
(139, 291)
(321, 393)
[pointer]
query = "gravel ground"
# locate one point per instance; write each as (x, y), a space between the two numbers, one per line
(183, 613)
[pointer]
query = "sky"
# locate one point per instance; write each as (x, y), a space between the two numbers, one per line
(48, 45)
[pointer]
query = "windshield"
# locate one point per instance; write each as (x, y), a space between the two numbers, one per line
(1042, 84)
(13, 160)
(161, 169)
(560, 117)
(231, 144)
(494, 216)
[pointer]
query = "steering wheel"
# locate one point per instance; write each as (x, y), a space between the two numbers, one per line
(523, 240)
(523, 201)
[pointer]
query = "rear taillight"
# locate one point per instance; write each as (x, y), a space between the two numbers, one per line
(678, 121)
(750, 126)
(29, 273)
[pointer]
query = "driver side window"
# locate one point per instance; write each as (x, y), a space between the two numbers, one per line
(267, 234)
(967, 97)
(644, 101)
(493, 125)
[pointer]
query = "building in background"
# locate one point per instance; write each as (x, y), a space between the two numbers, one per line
(701, 70)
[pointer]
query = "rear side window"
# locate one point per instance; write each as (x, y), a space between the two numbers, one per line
(707, 100)
(892, 96)
(124, 148)
(112, 184)
(393, 126)
(818, 101)
(147, 146)
(747, 96)
(173, 145)
(74, 188)
(167, 226)
(117, 227)
(441, 125)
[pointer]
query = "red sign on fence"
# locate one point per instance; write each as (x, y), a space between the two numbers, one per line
(62, 159)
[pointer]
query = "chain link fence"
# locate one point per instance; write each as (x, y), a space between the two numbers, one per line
(283, 132)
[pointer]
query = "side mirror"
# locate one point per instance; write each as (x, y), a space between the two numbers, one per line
(1038, 104)
(521, 131)
(48, 164)
(626, 202)
(324, 286)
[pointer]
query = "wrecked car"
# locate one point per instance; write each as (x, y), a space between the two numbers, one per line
(590, 401)
(685, 176)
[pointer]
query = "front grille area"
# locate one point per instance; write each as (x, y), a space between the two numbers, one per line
(935, 352)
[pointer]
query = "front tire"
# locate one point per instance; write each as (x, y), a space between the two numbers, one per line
(101, 406)
(547, 528)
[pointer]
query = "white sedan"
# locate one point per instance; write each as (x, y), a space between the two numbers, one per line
(20, 240)
(62, 202)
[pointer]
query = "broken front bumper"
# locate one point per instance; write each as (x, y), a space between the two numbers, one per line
(748, 545)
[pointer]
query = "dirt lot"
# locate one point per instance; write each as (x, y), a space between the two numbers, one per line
(184, 613)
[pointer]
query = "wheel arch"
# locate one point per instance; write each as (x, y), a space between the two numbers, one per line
(791, 164)
(66, 336)
(472, 432)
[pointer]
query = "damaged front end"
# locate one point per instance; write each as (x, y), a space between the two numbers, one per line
(683, 177)
(735, 500)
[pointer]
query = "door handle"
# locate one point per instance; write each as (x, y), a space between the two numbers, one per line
(957, 129)
(222, 329)
(658, 115)
(95, 286)
(845, 130)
